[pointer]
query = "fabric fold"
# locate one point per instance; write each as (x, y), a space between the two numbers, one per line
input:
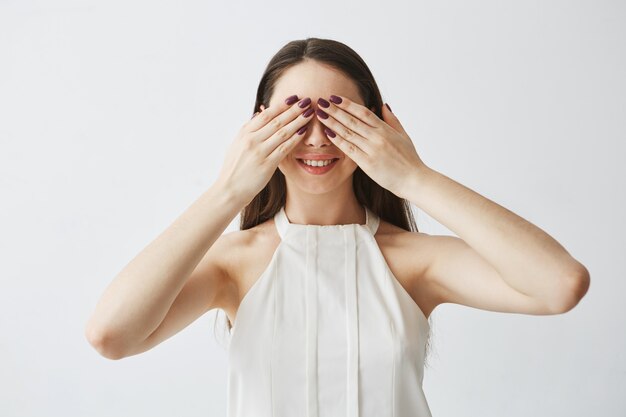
(352, 328)
(311, 323)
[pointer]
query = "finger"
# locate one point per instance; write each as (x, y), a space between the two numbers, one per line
(393, 120)
(361, 113)
(351, 150)
(273, 118)
(285, 139)
(348, 120)
(341, 130)
(284, 148)
(286, 113)
(281, 125)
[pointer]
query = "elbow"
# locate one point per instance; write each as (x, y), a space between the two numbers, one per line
(576, 288)
(103, 343)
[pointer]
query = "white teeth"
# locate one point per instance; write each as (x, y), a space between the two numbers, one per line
(317, 163)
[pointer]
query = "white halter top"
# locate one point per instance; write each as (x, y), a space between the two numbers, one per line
(327, 331)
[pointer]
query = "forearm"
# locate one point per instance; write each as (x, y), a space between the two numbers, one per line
(136, 301)
(527, 258)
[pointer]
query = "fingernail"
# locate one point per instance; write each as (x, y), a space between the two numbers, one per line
(388, 107)
(321, 113)
(302, 130)
(323, 102)
(291, 99)
(335, 99)
(304, 102)
(329, 132)
(308, 112)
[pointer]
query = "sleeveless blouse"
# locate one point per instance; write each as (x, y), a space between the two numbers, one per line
(327, 331)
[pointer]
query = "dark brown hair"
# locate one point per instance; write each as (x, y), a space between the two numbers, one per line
(266, 203)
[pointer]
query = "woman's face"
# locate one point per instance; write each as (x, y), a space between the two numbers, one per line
(314, 80)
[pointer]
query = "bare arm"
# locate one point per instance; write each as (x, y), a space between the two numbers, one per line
(136, 302)
(500, 261)
(162, 289)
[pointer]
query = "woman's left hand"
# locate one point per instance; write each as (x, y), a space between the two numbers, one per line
(382, 148)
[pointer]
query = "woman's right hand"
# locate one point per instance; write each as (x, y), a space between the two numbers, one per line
(260, 145)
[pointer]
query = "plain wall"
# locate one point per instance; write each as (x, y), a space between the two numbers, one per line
(115, 116)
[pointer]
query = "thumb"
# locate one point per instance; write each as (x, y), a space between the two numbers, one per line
(391, 119)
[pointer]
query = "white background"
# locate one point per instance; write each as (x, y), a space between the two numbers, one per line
(115, 116)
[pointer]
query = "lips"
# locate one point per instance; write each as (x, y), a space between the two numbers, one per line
(317, 170)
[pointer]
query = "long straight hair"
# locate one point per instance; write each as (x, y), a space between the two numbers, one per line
(272, 197)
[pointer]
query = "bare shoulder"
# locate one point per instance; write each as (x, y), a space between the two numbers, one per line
(408, 255)
(240, 245)
(245, 254)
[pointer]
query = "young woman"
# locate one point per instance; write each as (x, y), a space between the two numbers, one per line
(329, 283)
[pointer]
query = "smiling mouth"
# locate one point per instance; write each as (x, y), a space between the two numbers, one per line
(316, 163)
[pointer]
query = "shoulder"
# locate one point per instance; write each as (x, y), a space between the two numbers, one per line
(240, 248)
(409, 255)
(405, 242)
(244, 254)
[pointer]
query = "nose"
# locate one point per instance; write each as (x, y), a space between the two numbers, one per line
(314, 135)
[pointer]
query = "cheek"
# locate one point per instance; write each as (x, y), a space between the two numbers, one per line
(350, 166)
(349, 162)
(281, 167)
(287, 165)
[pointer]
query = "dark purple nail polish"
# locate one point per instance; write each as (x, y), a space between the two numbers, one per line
(388, 107)
(291, 99)
(329, 132)
(308, 112)
(335, 99)
(323, 102)
(321, 113)
(304, 102)
(302, 130)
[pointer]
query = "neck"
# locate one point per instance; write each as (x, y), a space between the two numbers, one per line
(316, 209)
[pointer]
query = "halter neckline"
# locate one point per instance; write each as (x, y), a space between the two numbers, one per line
(372, 222)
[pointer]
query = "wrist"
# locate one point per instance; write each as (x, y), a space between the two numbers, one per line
(228, 196)
(417, 182)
